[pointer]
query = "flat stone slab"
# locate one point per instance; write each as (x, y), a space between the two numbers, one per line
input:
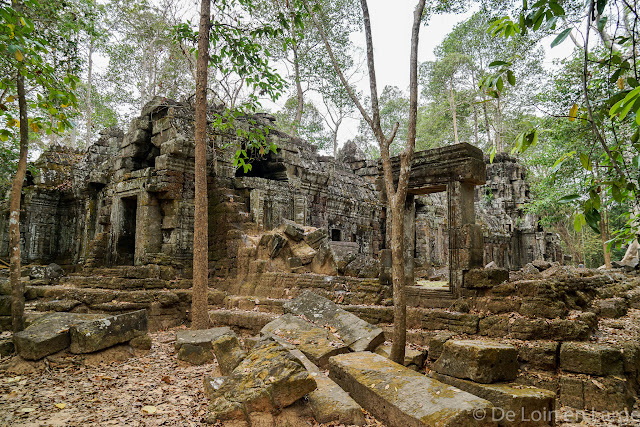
(357, 334)
(49, 334)
(481, 361)
(268, 379)
(88, 337)
(412, 357)
(514, 406)
(200, 337)
(398, 396)
(592, 359)
(317, 343)
(329, 403)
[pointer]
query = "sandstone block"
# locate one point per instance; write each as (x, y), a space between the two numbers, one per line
(268, 379)
(398, 396)
(200, 337)
(357, 334)
(294, 231)
(5, 305)
(539, 354)
(195, 354)
(481, 361)
(593, 359)
(613, 394)
(462, 323)
(48, 334)
(92, 336)
(514, 406)
(436, 343)
(482, 278)
(6, 347)
(229, 353)
(412, 357)
(142, 342)
(611, 307)
(315, 342)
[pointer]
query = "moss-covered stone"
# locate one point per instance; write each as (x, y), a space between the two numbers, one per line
(92, 336)
(589, 358)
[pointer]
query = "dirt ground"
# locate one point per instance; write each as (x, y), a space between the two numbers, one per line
(125, 387)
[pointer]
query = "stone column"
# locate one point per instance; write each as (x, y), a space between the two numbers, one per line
(409, 239)
(148, 227)
(465, 237)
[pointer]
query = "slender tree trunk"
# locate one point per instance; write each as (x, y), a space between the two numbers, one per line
(299, 94)
(475, 125)
(605, 236)
(199, 314)
(452, 105)
(89, 113)
(486, 123)
(17, 287)
(335, 138)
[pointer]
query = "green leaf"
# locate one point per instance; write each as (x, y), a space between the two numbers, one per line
(600, 5)
(569, 198)
(578, 222)
(615, 192)
(561, 37)
(498, 63)
(511, 78)
(602, 22)
(592, 217)
(585, 161)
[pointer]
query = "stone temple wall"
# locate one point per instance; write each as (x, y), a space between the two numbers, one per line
(128, 200)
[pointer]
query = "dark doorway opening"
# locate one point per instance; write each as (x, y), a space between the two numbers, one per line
(126, 248)
(336, 235)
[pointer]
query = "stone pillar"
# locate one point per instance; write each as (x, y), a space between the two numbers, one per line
(148, 227)
(466, 247)
(409, 239)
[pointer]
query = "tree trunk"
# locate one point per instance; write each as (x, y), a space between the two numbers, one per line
(335, 138)
(17, 286)
(299, 94)
(89, 113)
(452, 105)
(604, 236)
(199, 314)
(486, 123)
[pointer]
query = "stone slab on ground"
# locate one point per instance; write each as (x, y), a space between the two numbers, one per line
(6, 347)
(357, 334)
(268, 379)
(589, 358)
(88, 337)
(515, 405)
(481, 361)
(200, 337)
(329, 403)
(398, 396)
(195, 354)
(315, 342)
(412, 357)
(49, 334)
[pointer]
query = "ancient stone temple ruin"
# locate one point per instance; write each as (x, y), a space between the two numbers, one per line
(128, 200)
(298, 246)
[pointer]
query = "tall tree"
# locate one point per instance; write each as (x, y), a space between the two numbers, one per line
(396, 194)
(42, 80)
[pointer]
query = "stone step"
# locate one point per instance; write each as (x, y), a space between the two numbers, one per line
(115, 282)
(242, 321)
(398, 396)
(429, 298)
(266, 305)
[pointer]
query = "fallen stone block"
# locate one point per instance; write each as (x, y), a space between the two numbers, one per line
(142, 342)
(57, 305)
(200, 337)
(593, 359)
(92, 336)
(436, 343)
(212, 385)
(483, 278)
(294, 231)
(357, 334)
(514, 405)
(316, 238)
(49, 334)
(329, 403)
(316, 343)
(268, 379)
(461, 323)
(481, 361)
(398, 396)
(412, 357)
(195, 354)
(228, 351)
